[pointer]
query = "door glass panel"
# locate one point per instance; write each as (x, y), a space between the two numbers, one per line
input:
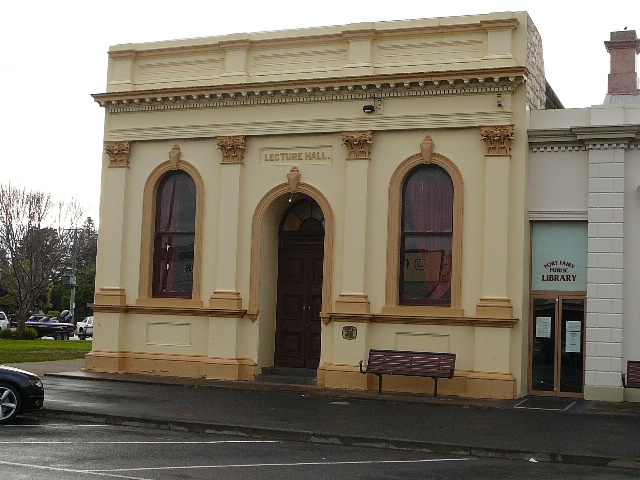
(544, 345)
(572, 336)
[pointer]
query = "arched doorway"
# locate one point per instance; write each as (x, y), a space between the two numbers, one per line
(300, 274)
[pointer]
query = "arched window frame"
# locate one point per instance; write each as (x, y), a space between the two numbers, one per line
(394, 239)
(145, 294)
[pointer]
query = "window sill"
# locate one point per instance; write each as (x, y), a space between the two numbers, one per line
(423, 311)
(169, 302)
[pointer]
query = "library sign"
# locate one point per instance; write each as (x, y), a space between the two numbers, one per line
(559, 271)
(559, 256)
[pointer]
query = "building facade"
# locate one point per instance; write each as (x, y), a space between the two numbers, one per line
(584, 209)
(292, 199)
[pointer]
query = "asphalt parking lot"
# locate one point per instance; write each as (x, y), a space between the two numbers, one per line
(37, 448)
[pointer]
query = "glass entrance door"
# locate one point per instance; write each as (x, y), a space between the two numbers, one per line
(557, 345)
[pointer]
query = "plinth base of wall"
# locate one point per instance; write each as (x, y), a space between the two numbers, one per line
(468, 384)
(171, 365)
(605, 394)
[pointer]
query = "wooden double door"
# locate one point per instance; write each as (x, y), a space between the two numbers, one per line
(298, 327)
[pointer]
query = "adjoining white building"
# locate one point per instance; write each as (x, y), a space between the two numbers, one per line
(584, 206)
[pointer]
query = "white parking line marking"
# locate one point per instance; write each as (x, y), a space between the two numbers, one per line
(69, 470)
(296, 464)
(56, 425)
(133, 442)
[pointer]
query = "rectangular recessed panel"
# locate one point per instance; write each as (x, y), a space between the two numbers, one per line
(298, 59)
(291, 344)
(168, 69)
(291, 306)
(416, 52)
(292, 271)
(175, 334)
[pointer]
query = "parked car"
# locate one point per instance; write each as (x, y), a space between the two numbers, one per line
(50, 327)
(84, 329)
(4, 321)
(20, 392)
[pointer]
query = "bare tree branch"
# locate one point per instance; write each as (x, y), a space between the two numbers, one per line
(36, 236)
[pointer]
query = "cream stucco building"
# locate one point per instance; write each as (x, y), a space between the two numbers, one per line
(291, 199)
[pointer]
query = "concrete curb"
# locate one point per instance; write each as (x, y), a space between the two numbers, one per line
(347, 440)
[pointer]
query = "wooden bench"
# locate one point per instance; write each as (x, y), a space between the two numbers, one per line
(403, 362)
(633, 375)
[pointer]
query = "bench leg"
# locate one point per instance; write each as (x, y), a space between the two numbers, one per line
(379, 383)
(435, 389)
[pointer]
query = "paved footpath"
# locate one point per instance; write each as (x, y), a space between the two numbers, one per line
(573, 431)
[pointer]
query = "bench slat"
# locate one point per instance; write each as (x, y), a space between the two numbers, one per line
(633, 374)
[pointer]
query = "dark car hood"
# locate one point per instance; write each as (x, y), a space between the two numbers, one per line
(7, 368)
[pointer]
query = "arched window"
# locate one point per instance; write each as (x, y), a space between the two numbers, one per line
(174, 236)
(426, 237)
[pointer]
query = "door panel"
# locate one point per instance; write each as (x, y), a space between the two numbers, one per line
(543, 352)
(572, 355)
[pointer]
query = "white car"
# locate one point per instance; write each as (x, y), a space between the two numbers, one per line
(4, 321)
(84, 329)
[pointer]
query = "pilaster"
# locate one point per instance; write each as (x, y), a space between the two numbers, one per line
(110, 238)
(353, 299)
(225, 295)
(604, 339)
(494, 301)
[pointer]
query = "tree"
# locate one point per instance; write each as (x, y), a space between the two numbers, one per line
(35, 242)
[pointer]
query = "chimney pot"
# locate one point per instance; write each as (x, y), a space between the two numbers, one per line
(623, 47)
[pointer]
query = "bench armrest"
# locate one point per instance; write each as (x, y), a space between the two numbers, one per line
(361, 370)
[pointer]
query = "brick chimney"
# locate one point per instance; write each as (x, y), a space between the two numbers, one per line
(623, 47)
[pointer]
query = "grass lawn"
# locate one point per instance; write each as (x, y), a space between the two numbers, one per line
(42, 350)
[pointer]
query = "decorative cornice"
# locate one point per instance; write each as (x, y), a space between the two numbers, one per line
(119, 153)
(289, 92)
(498, 139)
(585, 138)
(557, 148)
(232, 149)
(358, 144)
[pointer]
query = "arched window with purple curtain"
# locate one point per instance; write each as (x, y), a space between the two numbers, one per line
(427, 237)
(174, 237)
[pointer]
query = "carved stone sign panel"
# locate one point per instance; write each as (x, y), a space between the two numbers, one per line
(319, 155)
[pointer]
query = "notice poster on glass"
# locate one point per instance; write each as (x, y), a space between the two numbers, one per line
(543, 327)
(573, 338)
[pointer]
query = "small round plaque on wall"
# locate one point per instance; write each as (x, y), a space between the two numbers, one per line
(349, 332)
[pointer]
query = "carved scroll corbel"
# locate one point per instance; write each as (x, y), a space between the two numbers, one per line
(293, 178)
(174, 157)
(426, 149)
